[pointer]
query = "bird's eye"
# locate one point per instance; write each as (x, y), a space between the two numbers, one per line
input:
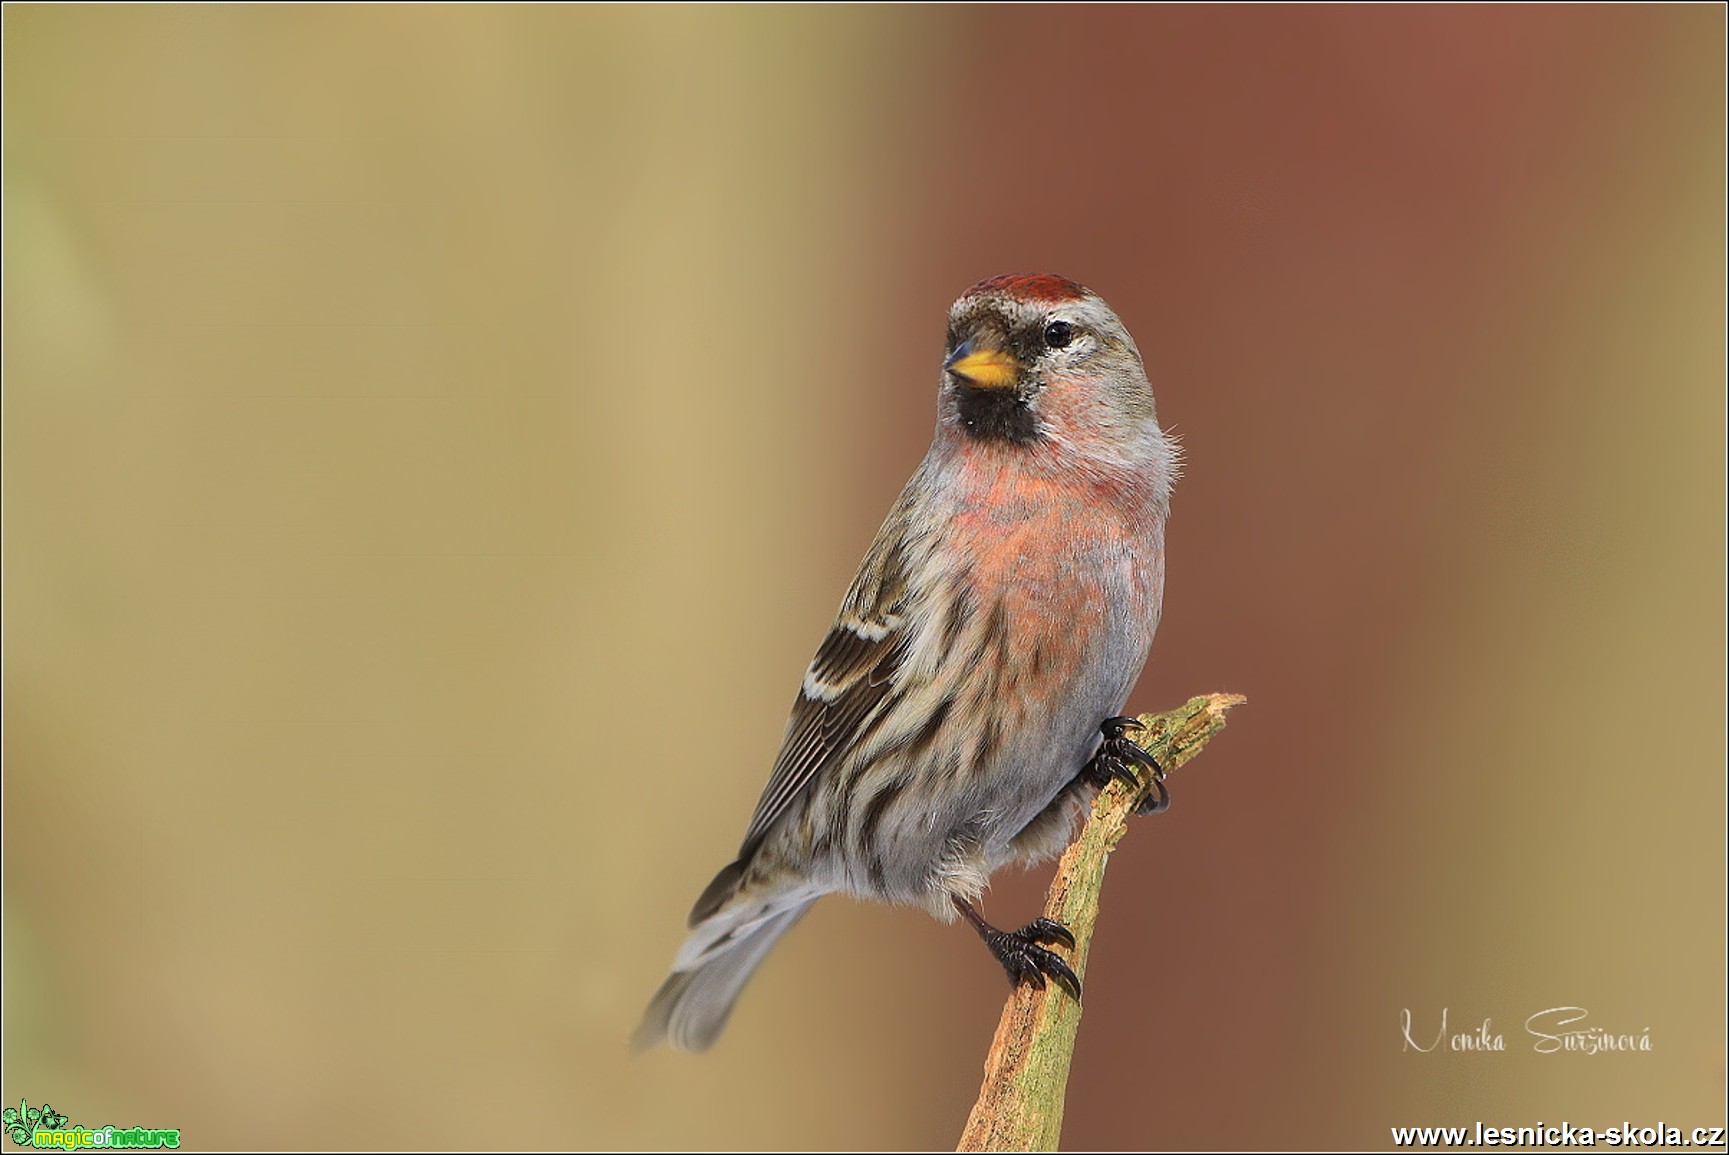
(1058, 334)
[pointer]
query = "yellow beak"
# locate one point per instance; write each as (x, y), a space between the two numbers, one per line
(985, 368)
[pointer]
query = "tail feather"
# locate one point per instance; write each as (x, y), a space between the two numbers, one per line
(692, 1005)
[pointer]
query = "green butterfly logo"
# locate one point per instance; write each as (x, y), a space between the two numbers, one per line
(22, 1121)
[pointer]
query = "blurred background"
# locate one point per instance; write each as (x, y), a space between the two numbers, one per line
(435, 440)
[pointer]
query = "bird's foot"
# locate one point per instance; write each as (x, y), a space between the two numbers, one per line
(1022, 952)
(1025, 960)
(1118, 756)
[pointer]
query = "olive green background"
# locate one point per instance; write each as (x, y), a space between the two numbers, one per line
(436, 438)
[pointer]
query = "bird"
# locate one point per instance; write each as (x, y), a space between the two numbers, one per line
(967, 702)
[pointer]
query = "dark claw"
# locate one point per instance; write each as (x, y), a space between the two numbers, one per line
(1116, 758)
(1106, 766)
(1048, 930)
(1114, 728)
(1025, 961)
(1158, 800)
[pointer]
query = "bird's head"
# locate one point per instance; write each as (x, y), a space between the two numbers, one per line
(1040, 362)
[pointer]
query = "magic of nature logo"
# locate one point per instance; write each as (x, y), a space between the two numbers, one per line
(45, 1127)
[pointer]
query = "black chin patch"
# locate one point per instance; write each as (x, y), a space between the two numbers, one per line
(996, 414)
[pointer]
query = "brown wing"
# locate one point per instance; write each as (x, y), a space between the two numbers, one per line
(846, 685)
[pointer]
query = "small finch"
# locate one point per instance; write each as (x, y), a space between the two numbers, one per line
(963, 708)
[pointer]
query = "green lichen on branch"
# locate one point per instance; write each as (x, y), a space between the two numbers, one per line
(1020, 1106)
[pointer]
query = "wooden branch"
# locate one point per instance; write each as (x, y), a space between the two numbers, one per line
(1020, 1106)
